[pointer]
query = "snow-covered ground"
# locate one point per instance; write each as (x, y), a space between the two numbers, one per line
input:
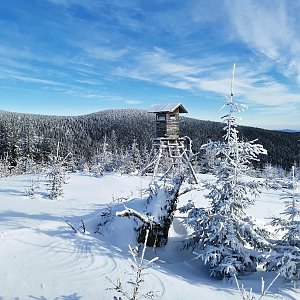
(42, 258)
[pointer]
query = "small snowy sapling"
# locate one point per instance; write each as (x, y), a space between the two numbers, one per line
(139, 265)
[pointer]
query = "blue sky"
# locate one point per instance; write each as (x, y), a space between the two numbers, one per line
(71, 57)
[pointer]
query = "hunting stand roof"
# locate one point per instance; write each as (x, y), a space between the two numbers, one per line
(167, 108)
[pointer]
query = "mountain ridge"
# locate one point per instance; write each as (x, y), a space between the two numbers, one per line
(288, 130)
(125, 125)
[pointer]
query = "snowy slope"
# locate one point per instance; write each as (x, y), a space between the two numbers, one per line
(42, 258)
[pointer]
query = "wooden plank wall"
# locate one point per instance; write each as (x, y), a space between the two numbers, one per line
(173, 125)
(168, 127)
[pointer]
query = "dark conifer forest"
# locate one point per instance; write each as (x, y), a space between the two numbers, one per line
(37, 136)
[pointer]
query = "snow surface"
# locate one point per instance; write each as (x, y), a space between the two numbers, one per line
(41, 257)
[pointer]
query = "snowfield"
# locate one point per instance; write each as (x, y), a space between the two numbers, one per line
(41, 257)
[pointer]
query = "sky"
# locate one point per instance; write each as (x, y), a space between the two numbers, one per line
(73, 57)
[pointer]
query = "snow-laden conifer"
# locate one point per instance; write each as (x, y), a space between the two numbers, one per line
(225, 238)
(57, 175)
(289, 223)
(286, 253)
(4, 166)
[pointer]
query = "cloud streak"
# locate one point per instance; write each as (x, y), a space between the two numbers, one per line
(269, 29)
(196, 76)
(106, 54)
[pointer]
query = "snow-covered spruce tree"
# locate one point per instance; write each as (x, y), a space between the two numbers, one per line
(97, 168)
(57, 175)
(291, 223)
(297, 171)
(210, 160)
(226, 239)
(285, 256)
(4, 166)
(131, 160)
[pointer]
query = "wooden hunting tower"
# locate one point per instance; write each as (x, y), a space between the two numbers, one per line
(170, 153)
(167, 119)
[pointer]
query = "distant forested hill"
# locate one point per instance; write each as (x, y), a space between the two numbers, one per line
(37, 135)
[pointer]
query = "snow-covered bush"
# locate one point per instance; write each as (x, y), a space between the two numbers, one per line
(248, 294)
(31, 190)
(154, 211)
(157, 213)
(121, 160)
(286, 260)
(290, 222)
(273, 173)
(286, 253)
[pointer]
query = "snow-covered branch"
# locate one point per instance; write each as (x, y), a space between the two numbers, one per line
(129, 212)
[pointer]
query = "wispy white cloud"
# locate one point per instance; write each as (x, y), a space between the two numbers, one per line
(164, 68)
(9, 51)
(85, 93)
(106, 54)
(26, 78)
(71, 2)
(133, 102)
(262, 25)
(271, 29)
(196, 76)
(165, 63)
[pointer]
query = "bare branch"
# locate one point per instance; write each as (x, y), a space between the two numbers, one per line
(66, 221)
(82, 226)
